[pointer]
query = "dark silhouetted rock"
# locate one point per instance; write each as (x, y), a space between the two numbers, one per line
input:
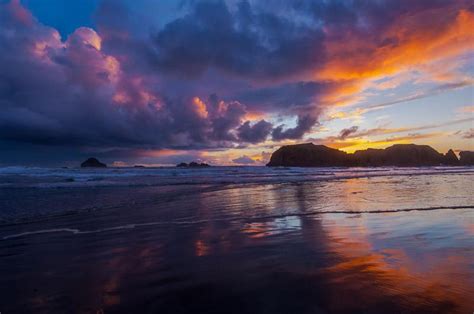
(193, 164)
(308, 155)
(401, 155)
(466, 158)
(93, 163)
(450, 158)
(139, 166)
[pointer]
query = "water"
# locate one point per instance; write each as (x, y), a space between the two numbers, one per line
(237, 239)
(89, 177)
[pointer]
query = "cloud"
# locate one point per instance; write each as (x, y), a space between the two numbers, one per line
(73, 93)
(384, 131)
(243, 160)
(466, 109)
(346, 132)
(469, 134)
(303, 125)
(80, 93)
(400, 41)
(356, 137)
(289, 96)
(242, 42)
(254, 133)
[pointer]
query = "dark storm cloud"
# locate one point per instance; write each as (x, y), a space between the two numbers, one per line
(254, 133)
(367, 16)
(243, 42)
(285, 96)
(89, 90)
(225, 118)
(303, 125)
(71, 92)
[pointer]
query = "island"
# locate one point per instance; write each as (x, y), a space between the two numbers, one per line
(93, 163)
(399, 155)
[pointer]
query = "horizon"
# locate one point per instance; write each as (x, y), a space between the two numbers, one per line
(228, 82)
(114, 164)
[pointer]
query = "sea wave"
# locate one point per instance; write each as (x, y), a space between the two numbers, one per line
(77, 177)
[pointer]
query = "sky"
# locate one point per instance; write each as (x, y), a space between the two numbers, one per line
(228, 82)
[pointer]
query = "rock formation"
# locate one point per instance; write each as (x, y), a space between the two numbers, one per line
(401, 155)
(192, 164)
(308, 155)
(467, 158)
(450, 158)
(93, 163)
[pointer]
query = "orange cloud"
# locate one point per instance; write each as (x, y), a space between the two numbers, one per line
(417, 43)
(89, 37)
(355, 62)
(466, 109)
(355, 114)
(254, 115)
(200, 107)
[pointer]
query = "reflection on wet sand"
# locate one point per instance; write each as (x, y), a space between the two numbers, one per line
(418, 278)
(254, 249)
(272, 227)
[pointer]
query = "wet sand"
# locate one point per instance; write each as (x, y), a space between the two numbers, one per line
(401, 244)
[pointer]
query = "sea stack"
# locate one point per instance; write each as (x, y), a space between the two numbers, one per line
(450, 158)
(93, 163)
(308, 155)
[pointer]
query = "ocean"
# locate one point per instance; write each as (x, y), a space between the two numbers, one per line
(237, 240)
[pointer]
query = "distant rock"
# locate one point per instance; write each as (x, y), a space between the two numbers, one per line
(139, 166)
(93, 163)
(192, 164)
(401, 155)
(450, 158)
(466, 158)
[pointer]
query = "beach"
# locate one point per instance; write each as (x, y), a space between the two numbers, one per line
(237, 240)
